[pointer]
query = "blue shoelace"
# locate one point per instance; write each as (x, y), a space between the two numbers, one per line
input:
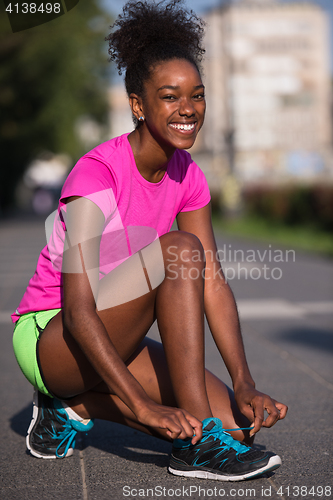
(224, 436)
(71, 439)
(67, 434)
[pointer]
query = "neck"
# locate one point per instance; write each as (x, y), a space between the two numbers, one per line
(150, 157)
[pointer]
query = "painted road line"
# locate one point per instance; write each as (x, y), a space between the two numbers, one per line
(5, 317)
(317, 307)
(277, 308)
(259, 309)
(270, 308)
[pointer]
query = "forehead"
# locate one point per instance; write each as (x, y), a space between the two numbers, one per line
(176, 72)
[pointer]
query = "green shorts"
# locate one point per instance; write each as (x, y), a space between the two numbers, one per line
(27, 332)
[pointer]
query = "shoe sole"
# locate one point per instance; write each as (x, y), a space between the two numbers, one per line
(34, 422)
(273, 463)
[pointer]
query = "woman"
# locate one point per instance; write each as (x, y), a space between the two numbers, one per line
(91, 303)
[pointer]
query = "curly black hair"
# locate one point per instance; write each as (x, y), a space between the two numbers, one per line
(149, 32)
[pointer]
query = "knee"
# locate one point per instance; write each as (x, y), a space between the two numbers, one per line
(183, 249)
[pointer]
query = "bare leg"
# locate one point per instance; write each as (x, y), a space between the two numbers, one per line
(149, 367)
(178, 305)
(181, 325)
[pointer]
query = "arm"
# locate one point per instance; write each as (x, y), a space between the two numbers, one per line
(222, 317)
(84, 223)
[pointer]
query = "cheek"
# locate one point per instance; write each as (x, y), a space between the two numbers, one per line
(202, 113)
(155, 113)
(159, 116)
(203, 108)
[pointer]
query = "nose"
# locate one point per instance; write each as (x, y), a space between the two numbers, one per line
(186, 108)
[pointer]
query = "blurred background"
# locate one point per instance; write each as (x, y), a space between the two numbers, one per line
(266, 147)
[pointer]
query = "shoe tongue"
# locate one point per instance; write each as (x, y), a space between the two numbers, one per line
(210, 423)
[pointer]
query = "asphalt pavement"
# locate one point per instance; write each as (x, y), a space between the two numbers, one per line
(285, 301)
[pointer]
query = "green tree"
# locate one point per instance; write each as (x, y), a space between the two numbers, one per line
(50, 75)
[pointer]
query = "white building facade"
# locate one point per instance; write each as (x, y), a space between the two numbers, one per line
(268, 89)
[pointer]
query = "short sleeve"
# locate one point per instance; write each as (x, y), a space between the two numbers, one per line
(93, 180)
(197, 194)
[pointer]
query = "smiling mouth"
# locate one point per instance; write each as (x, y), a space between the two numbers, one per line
(186, 127)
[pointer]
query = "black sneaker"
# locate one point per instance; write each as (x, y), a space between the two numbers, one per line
(219, 456)
(52, 433)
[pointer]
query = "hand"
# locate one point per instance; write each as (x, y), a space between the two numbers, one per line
(253, 404)
(178, 422)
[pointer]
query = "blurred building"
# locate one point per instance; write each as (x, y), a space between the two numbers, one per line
(40, 187)
(268, 89)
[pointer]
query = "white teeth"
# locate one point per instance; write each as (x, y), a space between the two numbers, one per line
(183, 126)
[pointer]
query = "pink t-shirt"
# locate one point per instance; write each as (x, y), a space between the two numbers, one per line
(136, 212)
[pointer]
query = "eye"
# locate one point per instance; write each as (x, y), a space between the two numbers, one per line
(199, 96)
(169, 97)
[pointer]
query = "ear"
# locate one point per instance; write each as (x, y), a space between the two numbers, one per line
(136, 105)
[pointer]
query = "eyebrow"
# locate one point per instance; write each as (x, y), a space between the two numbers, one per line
(172, 87)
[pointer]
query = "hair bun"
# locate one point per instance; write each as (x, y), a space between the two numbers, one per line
(146, 26)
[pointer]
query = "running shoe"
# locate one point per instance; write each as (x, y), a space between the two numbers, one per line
(219, 456)
(52, 433)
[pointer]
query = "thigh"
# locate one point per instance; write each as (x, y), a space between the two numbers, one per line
(66, 370)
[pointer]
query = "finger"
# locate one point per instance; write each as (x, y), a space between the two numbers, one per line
(173, 429)
(196, 427)
(178, 425)
(187, 429)
(273, 414)
(258, 410)
(187, 426)
(191, 425)
(282, 409)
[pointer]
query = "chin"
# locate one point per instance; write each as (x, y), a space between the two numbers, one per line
(187, 145)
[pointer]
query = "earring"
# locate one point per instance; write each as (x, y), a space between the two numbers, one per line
(141, 119)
